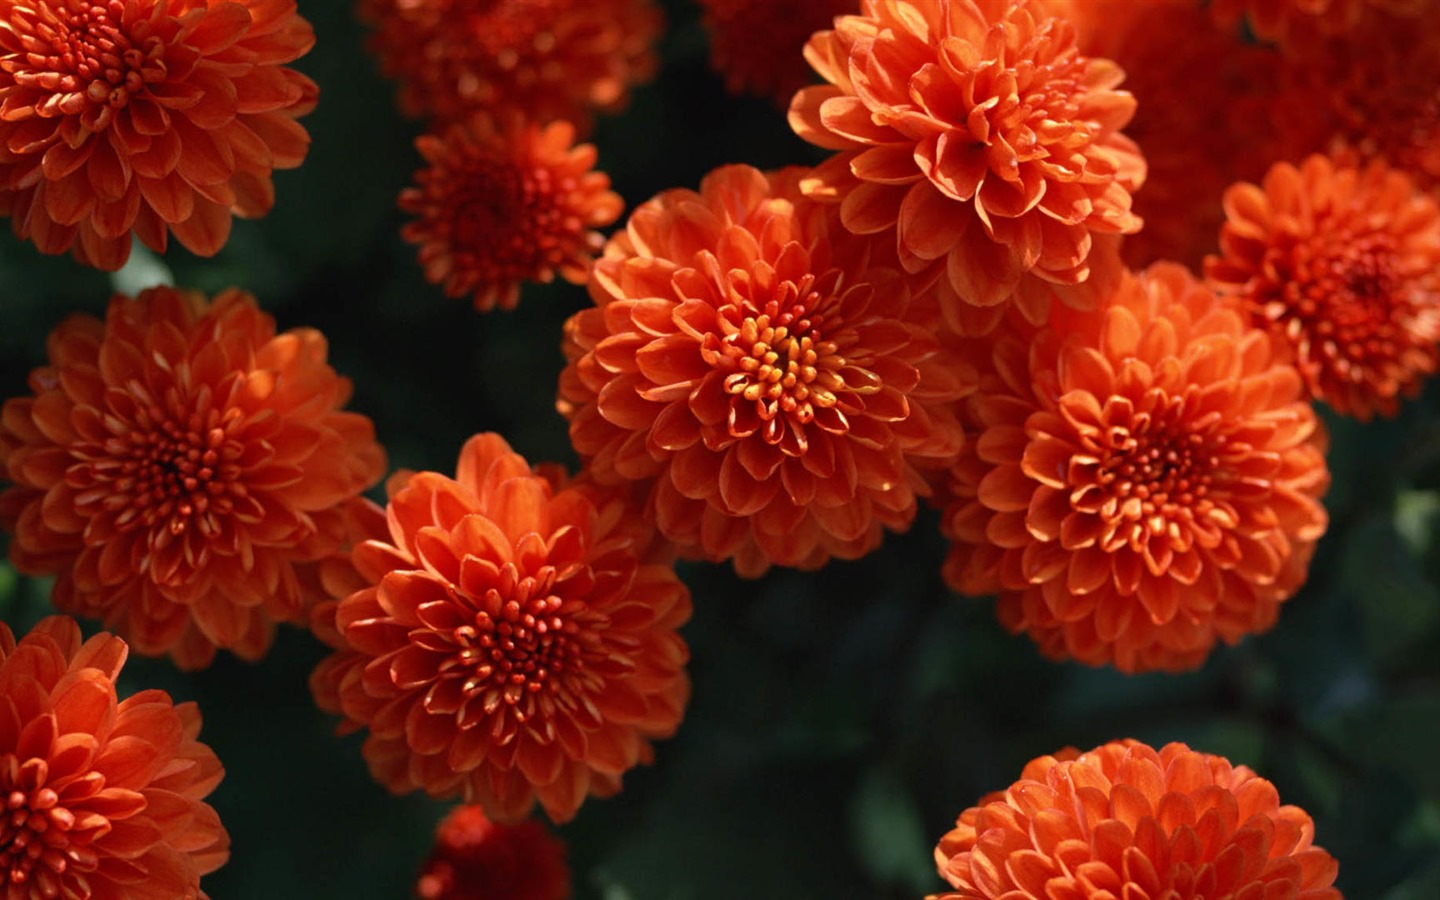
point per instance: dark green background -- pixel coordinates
(840, 719)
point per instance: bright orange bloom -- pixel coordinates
(1344, 264)
(1186, 76)
(1127, 821)
(756, 44)
(502, 205)
(121, 118)
(506, 637)
(477, 859)
(103, 798)
(546, 59)
(772, 390)
(1145, 482)
(174, 464)
(1274, 19)
(978, 133)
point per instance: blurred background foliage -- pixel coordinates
(840, 719)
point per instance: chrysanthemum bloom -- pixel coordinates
(1371, 91)
(547, 59)
(505, 637)
(174, 464)
(772, 390)
(1344, 264)
(1272, 19)
(1145, 481)
(477, 859)
(103, 798)
(121, 118)
(1127, 821)
(756, 45)
(976, 133)
(498, 205)
(1186, 75)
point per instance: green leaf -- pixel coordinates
(1415, 518)
(1425, 886)
(888, 833)
(1398, 606)
(8, 589)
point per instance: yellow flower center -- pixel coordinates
(784, 371)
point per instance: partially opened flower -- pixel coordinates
(1343, 263)
(505, 637)
(763, 376)
(175, 463)
(756, 44)
(1126, 820)
(546, 59)
(104, 798)
(503, 204)
(1145, 480)
(976, 135)
(477, 859)
(146, 117)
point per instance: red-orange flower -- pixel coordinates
(772, 390)
(1124, 820)
(1186, 76)
(1371, 90)
(1344, 264)
(477, 859)
(1273, 19)
(512, 638)
(103, 798)
(1145, 480)
(978, 133)
(121, 118)
(546, 59)
(174, 464)
(756, 44)
(502, 205)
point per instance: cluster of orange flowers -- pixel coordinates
(507, 196)
(777, 369)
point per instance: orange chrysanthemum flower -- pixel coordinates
(756, 44)
(1344, 264)
(477, 859)
(506, 637)
(771, 389)
(546, 59)
(502, 205)
(103, 798)
(1186, 76)
(175, 463)
(1127, 821)
(121, 118)
(1145, 481)
(977, 132)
